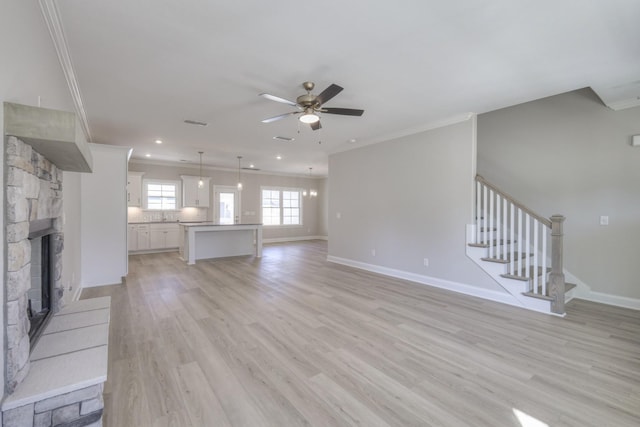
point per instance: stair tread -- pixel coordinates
(567, 288)
(506, 261)
(491, 243)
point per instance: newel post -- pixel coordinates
(556, 278)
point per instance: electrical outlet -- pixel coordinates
(426, 262)
(338, 215)
(373, 252)
(604, 220)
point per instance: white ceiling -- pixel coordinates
(145, 66)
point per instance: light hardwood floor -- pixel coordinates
(291, 340)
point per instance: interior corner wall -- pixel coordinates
(407, 199)
(72, 221)
(103, 217)
(569, 154)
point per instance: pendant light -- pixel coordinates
(239, 182)
(312, 192)
(200, 182)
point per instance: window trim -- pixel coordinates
(145, 190)
(280, 190)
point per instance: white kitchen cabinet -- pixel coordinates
(142, 232)
(132, 238)
(163, 236)
(192, 194)
(134, 189)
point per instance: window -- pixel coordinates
(161, 195)
(281, 206)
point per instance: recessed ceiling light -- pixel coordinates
(195, 122)
(148, 155)
(279, 157)
(158, 141)
(251, 166)
(284, 138)
(352, 140)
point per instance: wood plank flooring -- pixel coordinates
(291, 340)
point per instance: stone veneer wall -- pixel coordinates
(33, 192)
(82, 407)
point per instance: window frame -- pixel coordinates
(153, 181)
(281, 207)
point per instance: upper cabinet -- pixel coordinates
(192, 194)
(134, 189)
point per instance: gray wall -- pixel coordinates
(408, 199)
(569, 154)
(313, 208)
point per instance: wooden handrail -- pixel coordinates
(508, 197)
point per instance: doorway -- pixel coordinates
(226, 203)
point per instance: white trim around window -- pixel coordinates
(281, 207)
(165, 204)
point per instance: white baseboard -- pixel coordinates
(625, 302)
(502, 297)
(293, 239)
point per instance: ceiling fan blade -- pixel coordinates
(329, 93)
(316, 125)
(281, 116)
(278, 99)
(343, 111)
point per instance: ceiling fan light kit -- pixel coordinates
(309, 105)
(309, 117)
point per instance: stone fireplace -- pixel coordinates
(34, 201)
(55, 356)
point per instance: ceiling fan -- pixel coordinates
(309, 105)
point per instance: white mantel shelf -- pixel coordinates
(213, 240)
(71, 354)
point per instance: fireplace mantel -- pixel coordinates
(55, 134)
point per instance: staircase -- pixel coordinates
(519, 249)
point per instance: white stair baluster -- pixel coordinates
(527, 248)
(489, 230)
(505, 234)
(544, 260)
(499, 249)
(478, 210)
(520, 237)
(512, 245)
(536, 281)
(484, 215)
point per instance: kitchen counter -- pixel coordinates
(213, 240)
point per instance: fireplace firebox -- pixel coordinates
(39, 308)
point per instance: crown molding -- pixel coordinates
(624, 104)
(52, 18)
(166, 163)
(407, 132)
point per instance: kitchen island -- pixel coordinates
(211, 240)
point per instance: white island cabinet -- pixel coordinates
(212, 240)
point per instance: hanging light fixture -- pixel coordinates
(239, 182)
(200, 182)
(312, 192)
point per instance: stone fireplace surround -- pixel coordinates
(34, 192)
(69, 391)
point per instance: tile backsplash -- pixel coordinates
(184, 214)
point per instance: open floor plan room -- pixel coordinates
(290, 339)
